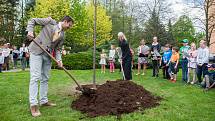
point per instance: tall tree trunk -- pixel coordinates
(94, 39)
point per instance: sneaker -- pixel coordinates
(138, 74)
(48, 104)
(174, 81)
(171, 80)
(206, 89)
(192, 83)
(143, 74)
(35, 111)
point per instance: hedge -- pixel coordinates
(84, 61)
(78, 61)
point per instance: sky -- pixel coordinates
(182, 7)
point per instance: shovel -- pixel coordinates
(123, 74)
(85, 90)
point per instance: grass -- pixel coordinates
(181, 102)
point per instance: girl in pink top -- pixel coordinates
(192, 63)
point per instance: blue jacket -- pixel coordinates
(166, 56)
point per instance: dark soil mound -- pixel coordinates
(115, 98)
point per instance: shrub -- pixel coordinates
(79, 61)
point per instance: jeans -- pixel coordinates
(184, 65)
(201, 70)
(23, 63)
(166, 72)
(155, 66)
(40, 66)
(15, 62)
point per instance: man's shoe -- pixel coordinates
(48, 104)
(35, 111)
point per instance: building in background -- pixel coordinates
(212, 22)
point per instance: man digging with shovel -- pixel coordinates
(50, 38)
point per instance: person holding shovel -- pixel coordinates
(51, 38)
(126, 56)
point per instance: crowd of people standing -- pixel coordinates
(10, 55)
(194, 62)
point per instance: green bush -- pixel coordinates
(79, 61)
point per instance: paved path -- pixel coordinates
(15, 70)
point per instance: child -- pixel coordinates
(1, 60)
(173, 64)
(119, 54)
(192, 63)
(164, 61)
(184, 59)
(143, 51)
(209, 80)
(102, 62)
(202, 60)
(155, 49)
(112, 53)
(132, 57)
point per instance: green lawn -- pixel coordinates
(181, 102)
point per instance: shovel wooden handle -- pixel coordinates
(39, 45)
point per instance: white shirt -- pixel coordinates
(1, 59)
(23, 49)
(6, 52)
(143, 49)
(203, 55)
(112, 53)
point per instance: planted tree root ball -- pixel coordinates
(115, 98)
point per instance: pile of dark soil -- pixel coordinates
(115, 98)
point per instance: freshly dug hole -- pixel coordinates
(115, 98)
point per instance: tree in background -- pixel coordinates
(104, 24)
(206, 8)
(184, 29)
(153, 27)
(80, 37)
(170, 37)
(116, 10)
(51, 8)
(8, 19)
(25, 6)
(125, 18)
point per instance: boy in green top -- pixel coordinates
(184, 59)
